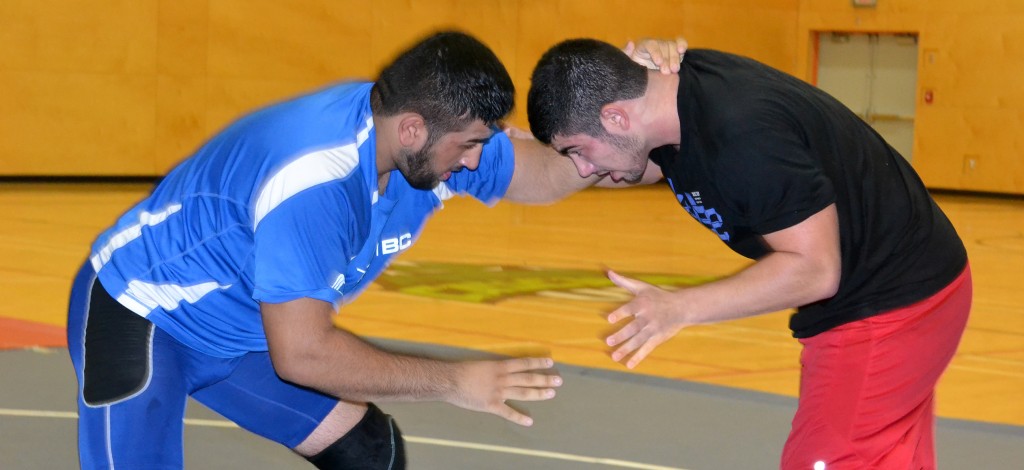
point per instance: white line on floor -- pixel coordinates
(415, 439)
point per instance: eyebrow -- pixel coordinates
(484, 140)
(565, 150)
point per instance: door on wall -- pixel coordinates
(875, 75)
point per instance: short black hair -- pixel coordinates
(573, 81)
(449, 78)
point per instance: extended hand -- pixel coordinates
(657, 54)
(486, 385)
(654, 320)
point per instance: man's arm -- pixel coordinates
(804, 267)
(307, 349)
(541, 175)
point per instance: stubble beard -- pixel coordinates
(418, 172)
(633, 148)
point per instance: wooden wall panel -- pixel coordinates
(765, 31)
(971, 55)
(263, 51)
(76, 124)
(65, 36)
(181, 121)
(300, 40)
(129, 87)
(397, 24)
(78, 87)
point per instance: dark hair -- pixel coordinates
(573, 81)
(449, 78)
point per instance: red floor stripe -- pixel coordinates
(17, 334)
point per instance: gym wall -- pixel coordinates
(129, 87)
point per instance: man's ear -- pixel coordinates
(614, 118)
(412, 130)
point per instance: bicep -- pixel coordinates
(815, 240)
(818, 233)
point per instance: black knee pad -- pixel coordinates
(117, 350)
(375, 443)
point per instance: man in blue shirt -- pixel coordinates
(223, 282)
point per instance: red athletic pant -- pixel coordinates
(867, 388)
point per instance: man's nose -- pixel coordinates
(584, 167)
(471, 161)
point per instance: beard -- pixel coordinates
(633, 148)
(417, 168)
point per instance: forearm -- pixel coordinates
(776, 282)
(307, 349)
(804, 267)
(345, 366)
(542, 176)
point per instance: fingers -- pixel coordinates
(640, 52)
(627, 339)
(633, 341)
(681, 46)
(675, 56)
(533, 380)
(620, 314)
(663, 54)
(514, 416)
(626, 332)
(632, 285)
(630, 46)
(524, 384)
(528, 394)
(642, 353)
(656, 54)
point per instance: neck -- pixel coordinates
(661, 114)
(387, 146)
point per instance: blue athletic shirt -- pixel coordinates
(283, 204)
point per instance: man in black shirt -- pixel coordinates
(838, 223)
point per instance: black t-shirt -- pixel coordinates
(762, 151)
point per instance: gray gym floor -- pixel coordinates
(600, 420)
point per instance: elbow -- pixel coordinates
(292, 365)
(827, 281)
(830, 287)
(548, 199)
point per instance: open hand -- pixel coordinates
(657, 54)
(654, 320)
(486, 385)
